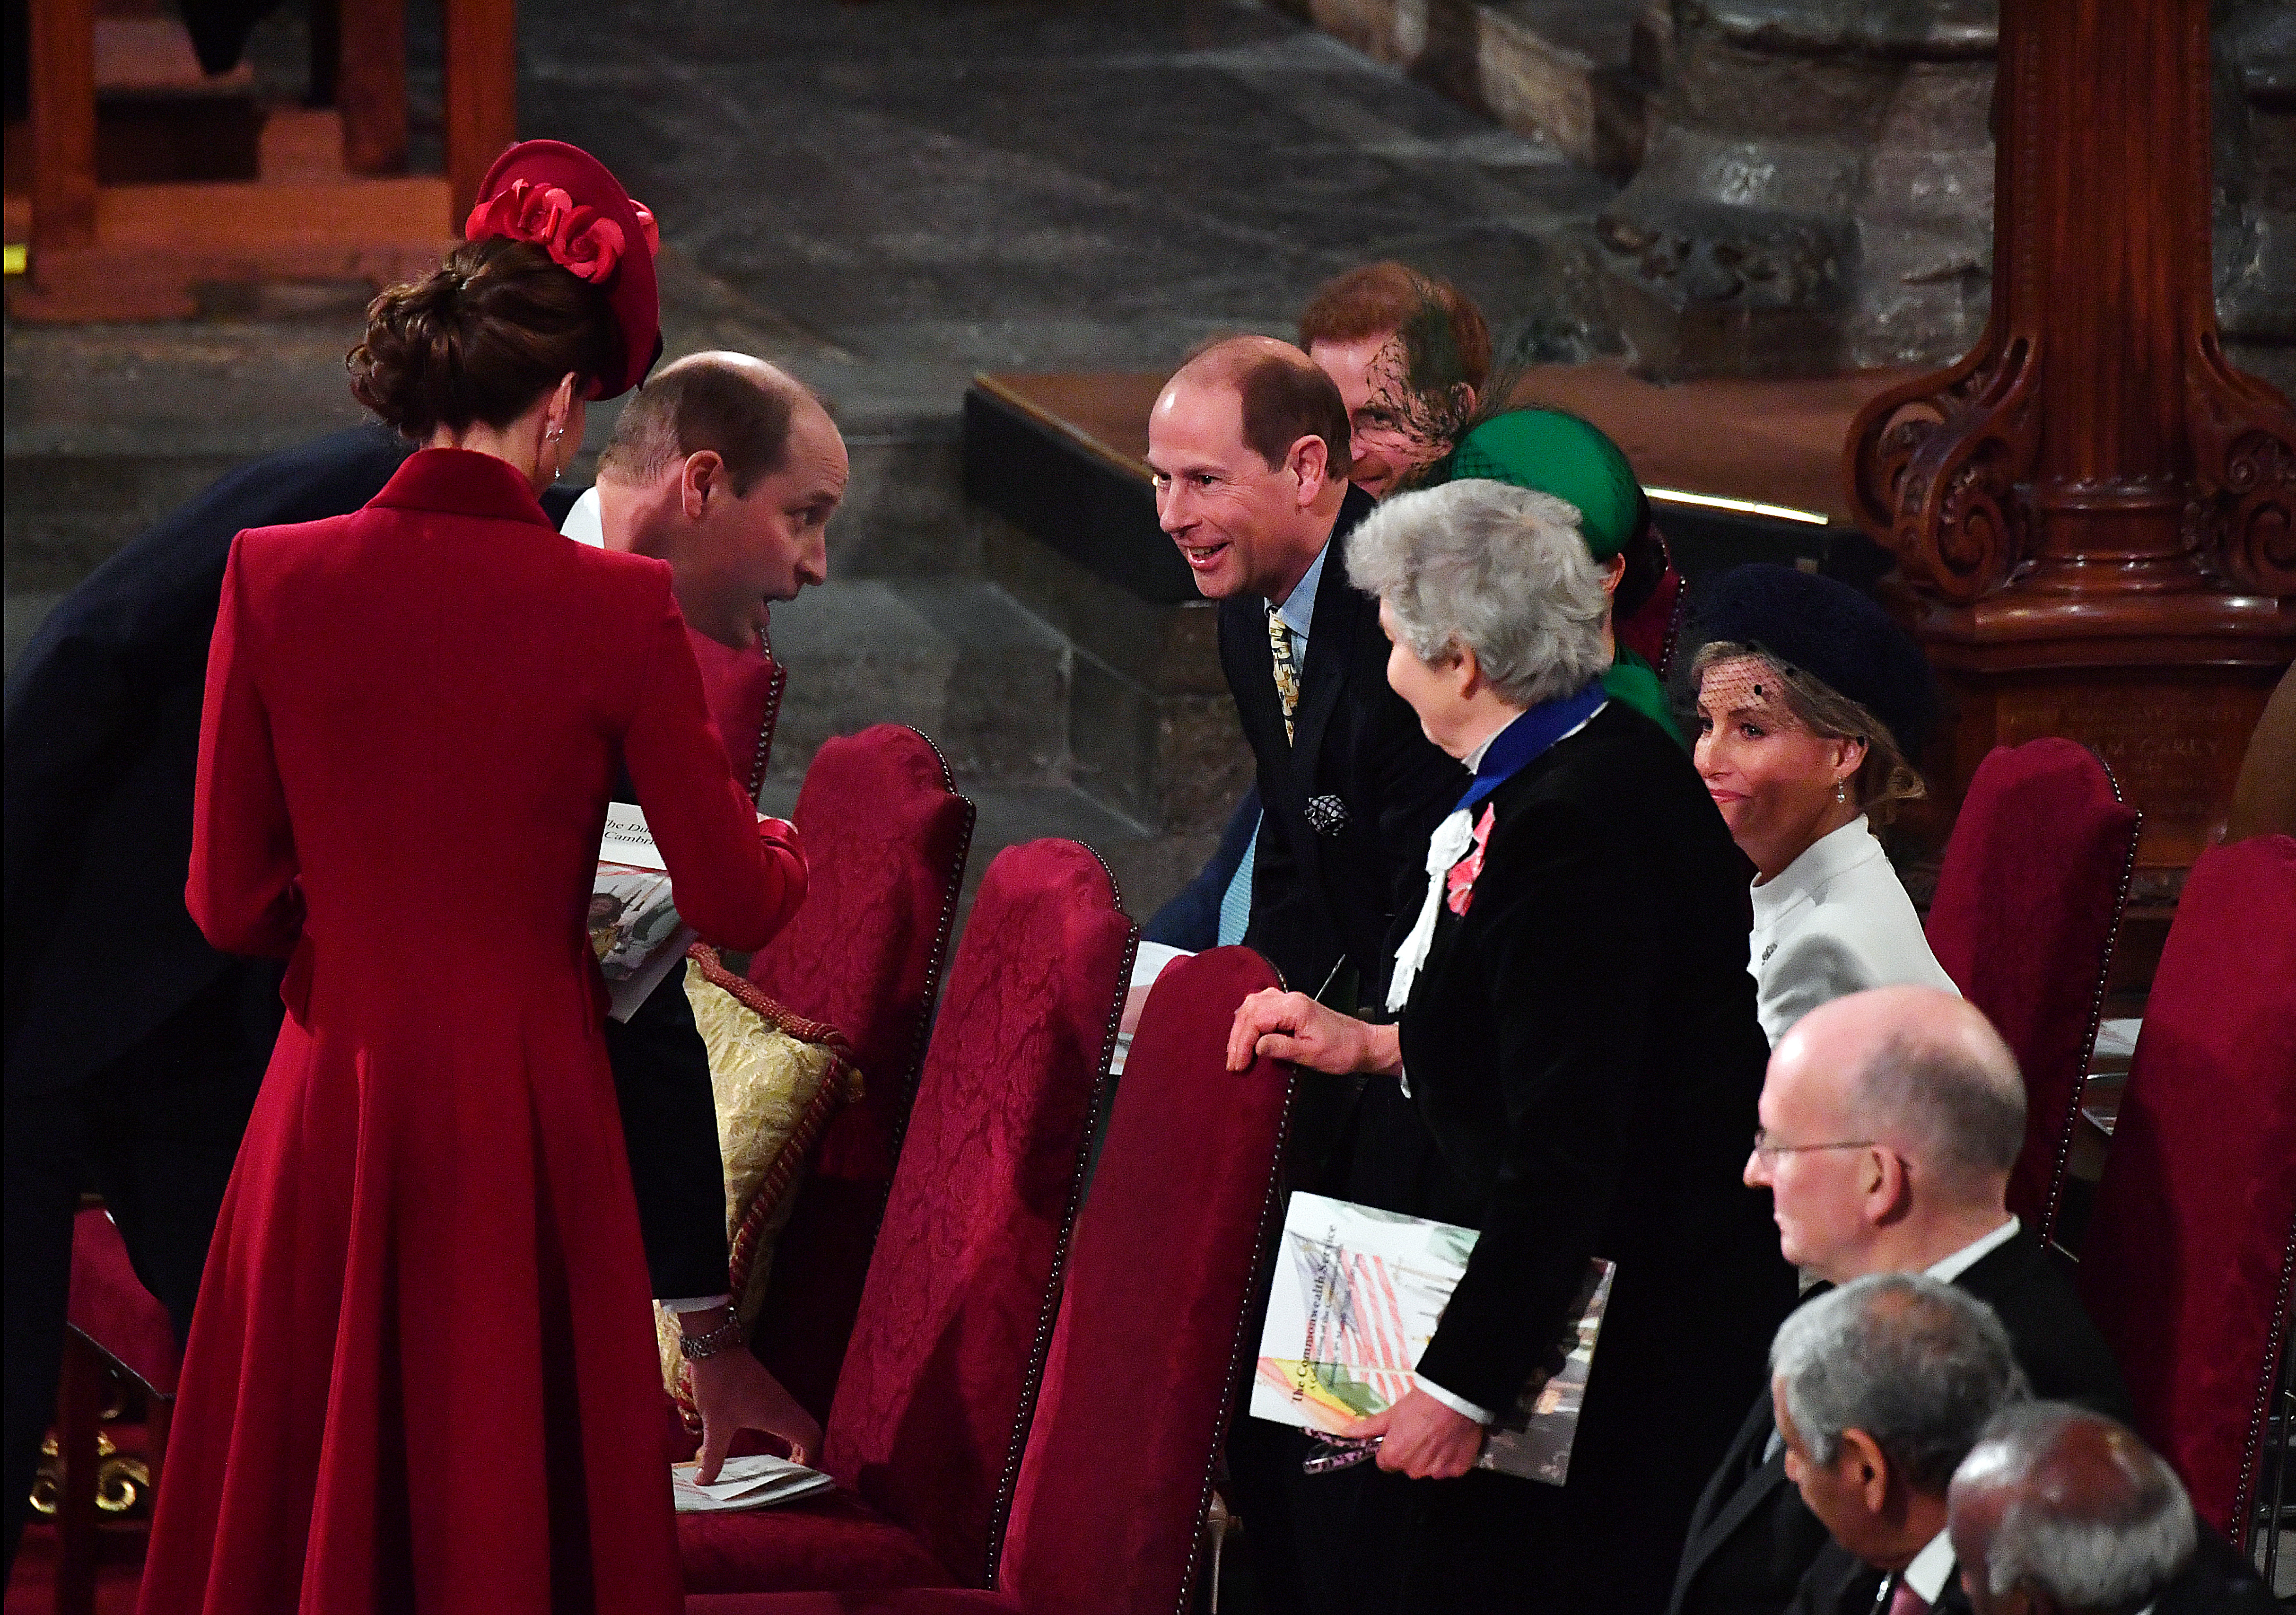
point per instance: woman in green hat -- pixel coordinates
(1551, 452)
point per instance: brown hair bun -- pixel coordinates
(491, 330)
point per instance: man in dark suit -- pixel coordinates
(134, 1050)
(1890, 1120)
(1248, 446)
(2058, 1511)
(1881, 1388)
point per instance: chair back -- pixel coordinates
(886, 836)
(743, 689)
(2027, 903)
(1109, 1512)
(113, 1312)
(958, 1308)
(1653, 630)
(2191, 1249)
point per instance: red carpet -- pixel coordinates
(31, 1588)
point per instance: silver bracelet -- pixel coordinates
(728, 1335)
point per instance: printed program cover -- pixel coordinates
(634, 925)
(1357, 1296)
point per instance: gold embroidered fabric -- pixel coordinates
(777, 1078)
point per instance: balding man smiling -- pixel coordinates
(1889, 1122)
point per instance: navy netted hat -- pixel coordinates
(1831, 632)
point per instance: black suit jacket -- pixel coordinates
(1754, 1546)
(2220, 1580)
(1584, 1049)
(2216, 1581)
(102, 742)
(1321, 897)
(103, 759)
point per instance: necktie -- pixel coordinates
(1287, 671)
(1905, 1601)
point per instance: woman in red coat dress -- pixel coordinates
(422, 1374)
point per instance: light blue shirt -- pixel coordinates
(1299, 608)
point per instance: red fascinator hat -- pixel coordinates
(563, 201)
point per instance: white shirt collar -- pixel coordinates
(1299, 608)
(583, 522)
(1831, 855)
(1946, 1269)
(1931, 1569)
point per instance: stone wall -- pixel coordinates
(1808, 183)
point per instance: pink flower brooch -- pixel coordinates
(1459, 885)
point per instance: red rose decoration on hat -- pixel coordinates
(579, 239)
(589, 247)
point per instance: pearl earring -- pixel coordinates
(1841, 790)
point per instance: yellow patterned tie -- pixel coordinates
(1287, 671)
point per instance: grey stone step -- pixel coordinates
(1575, 74)
(960, 661)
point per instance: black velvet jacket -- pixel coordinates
(1582, 1046)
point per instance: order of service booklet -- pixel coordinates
(742, 1483)
(1357, 1295)
(634, 925)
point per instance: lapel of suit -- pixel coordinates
(1752, 1492)
(1340, 609)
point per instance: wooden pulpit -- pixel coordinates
(2093, 511)
(328, 200)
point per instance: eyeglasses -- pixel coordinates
(1769, 1152)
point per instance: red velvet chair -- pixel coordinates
(114, 1326)
(1654, 629)
(2027, 904)
(743, 689)
(1109, 1509)
(923, 1434)
(887, 836)
(2191, 1249)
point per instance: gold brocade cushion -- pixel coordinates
(778, 1079)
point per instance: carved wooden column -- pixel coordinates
(2094, 514)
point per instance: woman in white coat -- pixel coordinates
(1809, 702)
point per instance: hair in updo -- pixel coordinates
(492, 330)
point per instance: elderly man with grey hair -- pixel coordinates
(1889, 1121)
(1577, 1034)
(1881, 1388)
(2059, 1511)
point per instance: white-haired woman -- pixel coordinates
(1578, 1035)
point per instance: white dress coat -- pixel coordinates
(1837, 921)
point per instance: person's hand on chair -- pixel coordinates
(735, 1392)
(1294, 1027)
